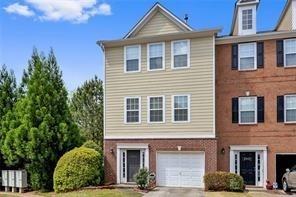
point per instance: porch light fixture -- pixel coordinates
(111, 151)
(247, 93)
(222, 151)
(179, 148)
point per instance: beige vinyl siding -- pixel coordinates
(197, 81)
(286, 24)
(158, 24)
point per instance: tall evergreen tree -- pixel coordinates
(87, 110)
(8, 96)
(45, 130)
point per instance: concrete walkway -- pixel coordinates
(175, 192)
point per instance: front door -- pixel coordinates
(133, 164)
(247, 167)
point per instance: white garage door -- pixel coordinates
(180, 169)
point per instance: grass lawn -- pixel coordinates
(80, 193)
(95, 193)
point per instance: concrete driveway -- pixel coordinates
(175, 192)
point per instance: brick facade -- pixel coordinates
(209, 146)
(270, 82)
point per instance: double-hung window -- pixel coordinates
(248, 110)
(180, 54)
(155, 54)
(132, 110)
(132, 58)
(247, 56)
(156, 109)
(290, 108)
(181, 108)
(247, 19)
(290, 53)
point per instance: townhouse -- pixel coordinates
(184, 102)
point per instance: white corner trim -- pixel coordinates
(172, 54)
(248, 147)
(148, 109)
(139, 58)
(163, 56)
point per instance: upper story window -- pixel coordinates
(132, 58)
(132, 110)
(247, 19)
(247, 56)
(181, 108)
(290, 53)
(290, 108)
(248, 110)
(155, 56)
(156, 109)
(180, 54)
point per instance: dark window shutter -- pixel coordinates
(280, 109)
(260, 54)
(234, 110)
(260, 109)
(280, 53)
(234, 58)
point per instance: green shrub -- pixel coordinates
(223, 181)
(91, 144)
(142, 178)
(77, 168)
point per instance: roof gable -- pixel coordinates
(158, 14)
(285, 20)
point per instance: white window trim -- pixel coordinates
(255, 57)
(139, 57)
(285, 108)
(240, 20)
(285, 53)
(163, 109)
(189, 108)
(172, 54)
(125, 111)
(239, 111)
(163, 56)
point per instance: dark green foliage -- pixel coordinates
(77, 168)
(40, 128)
(142, 178)
(223, 181)
(87, 110)
(8, 97)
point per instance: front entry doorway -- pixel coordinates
(133, 164)
(248, 167)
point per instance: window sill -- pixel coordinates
(180, 68)
(248, 70)
(293, 66)
(248, 124)
(132, 123)
(290, 123)
(154, 70)
(131, 72)
(180, 122)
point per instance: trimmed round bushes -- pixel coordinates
(223, 181)
(77, 168)
(91, 144)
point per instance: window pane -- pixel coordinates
(180, 61)
(132, 116)
(291, 115)
(247, 19)
(156, 116)
(247, 116)
(247, 63)
(155, 63)
(181, 115)
(290, 46)
(247, 104)
(132, 104)
(132, 52)
(247, 50)
(291, 102)
(180, 48)
(155, 50)
(132, 65)
(291, 59)
(156, 103)
(180, 102)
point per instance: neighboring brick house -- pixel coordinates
(182, 102)
(256, 97)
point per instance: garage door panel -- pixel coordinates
(180, 169)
